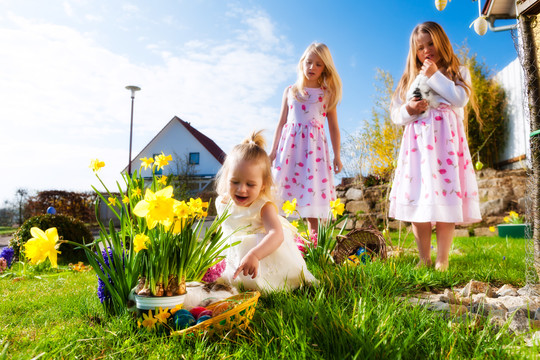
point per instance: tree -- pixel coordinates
(21, 196)
(183, 182)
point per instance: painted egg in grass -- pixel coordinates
(440, 4)
(203, 318)
(480, 26)
(183, 321)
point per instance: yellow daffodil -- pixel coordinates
(157, 208)
(112, 201)
(139, 242)
(492, 228)
(176, 308)
(162, 180)
(337, 207)
(125, 200)
(43, 245)
(148, 320)
(162, 160)
(295, 224)
(506, 219)
(95, 165)
(289, 207)
(162, 315)
(197, 206)
(136, 192)
(146, 162)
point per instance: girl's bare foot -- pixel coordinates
(424, 263)
(441, 266)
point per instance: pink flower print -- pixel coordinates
(286, 179)
(311, 152)
(474, 193)
(415, 137)
(318, 159)
(291, 106)
(453, 133)
(324, 114)
(301, 164)
(310, 177)
(407, 196)
(414, 149)
(325, 180)
(324, 106)
(423, 123)
(319, 148)
(426, 196)
(439, 161)
(302, 186)
(458, 194)
(435, 139)
(451, 153)
(442, 171)
(311, 135)
(449, 161)
(444, 192)
(438, 118)
(293, 180)
(287, 187)
(278, 168)
(289, 194)
(320, 98)
(460, 154)
(310, 190)
(292, 146)
(406, 152)
(287, 161)
(303, 136)
(461, 139)
(448, 181)
(434, 176)
(437, 193)
(429, 147)
(304, 107)
(296, 174)
(323, 195)
(301, 196)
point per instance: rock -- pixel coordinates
(394, 224)
(461, 233)
(439, 306)
(354, 194)
(529, 289)
(350, 224)
(507, 290)
(458, 309)
(356, 206)
(519, 322)
(477, 287)
(534, 340)
(484, 231)
(493, 207)
(450, 297)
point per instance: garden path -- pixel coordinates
(4, 240)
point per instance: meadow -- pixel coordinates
(354, 313)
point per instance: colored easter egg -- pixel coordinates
(440, 4)
(221, 308)
(182, 312)
(478, 165)
(480, 26)
(203, 318)
(196, 311)
(353, 259)
(183, 321)
(206, 313)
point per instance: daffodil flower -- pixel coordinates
(289, 207)
(148, 320)
(112, 201)
(42, 245)
(162, 315)
(139, 242)
(337, 207)
(492, 228)
(162, 180)
(197, 206)
(156, 207)
(136, 192)
(162, 160)
(176, 308)
(146, 162)
(295, 224)
(95, 165)
(125, 200)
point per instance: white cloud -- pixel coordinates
(64, 101)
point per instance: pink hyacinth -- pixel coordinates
(214, 272)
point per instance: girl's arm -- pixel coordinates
(281, 123)
(402, 114)
(454, 93)
(273, 239)
(335, 137)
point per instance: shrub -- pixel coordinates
(80, 205)
(68, 228)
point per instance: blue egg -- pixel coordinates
(183, 321)
(203, 318)
(182, 312)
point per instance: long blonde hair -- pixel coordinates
(329, 79)
(448, 63)
(251, 149)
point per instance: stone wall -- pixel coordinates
(500, 191)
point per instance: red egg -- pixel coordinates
(206, 313)
(196, 311)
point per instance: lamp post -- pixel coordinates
(132, 88)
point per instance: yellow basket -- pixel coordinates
(235, 319)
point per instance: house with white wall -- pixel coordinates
(186, 145)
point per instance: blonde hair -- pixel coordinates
(329, 78)
(251, 149)
(448, 63)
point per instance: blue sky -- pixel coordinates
(216, 64)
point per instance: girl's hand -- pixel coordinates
(248, 266)
(416, 106)
(428, 68)
(338, 166)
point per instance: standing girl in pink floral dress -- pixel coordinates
(302, 164)
(434, 181)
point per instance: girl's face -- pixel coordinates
(425, 48)
(245, 182)
(313, 68)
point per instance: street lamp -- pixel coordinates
(133, 89)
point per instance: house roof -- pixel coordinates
(506, 9)
(208, 143)
(205, 141)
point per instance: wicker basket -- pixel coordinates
(231, 321)
(370, 239)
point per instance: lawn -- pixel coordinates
(7, 230)
(354, 313)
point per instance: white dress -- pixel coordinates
(284, 269)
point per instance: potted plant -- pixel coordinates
(159, 245)
(513, 226)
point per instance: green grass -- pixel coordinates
(354, 313)
(7, 230)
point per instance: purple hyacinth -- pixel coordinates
(7, 253)
(102, 291)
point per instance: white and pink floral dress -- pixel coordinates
(303, 167)
(435, 179)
